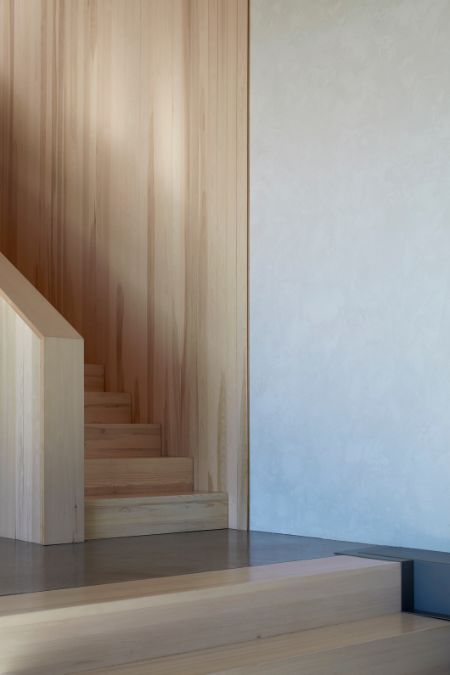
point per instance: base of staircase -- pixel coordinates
(108, 517)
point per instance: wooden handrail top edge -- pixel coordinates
(37, 312)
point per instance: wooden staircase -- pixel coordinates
(130, 489)
(332, 616)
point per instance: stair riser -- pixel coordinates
(107, 518)
(94, 383)
(131, 441)
(107, 414)
(213, 617)
(107, 408)
(138, 476)
(98, 452)
(138, 488)
(94, 378)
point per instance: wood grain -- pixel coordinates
(32, 307)
(137, 516)
(398, 644)
(21, 428)
(94, 377)
(104, 634)
(138, 476)
(123, 198)
(41, 417)
(107, 407)
(63, 441)
(122, 440)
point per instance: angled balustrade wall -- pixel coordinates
(41, 417)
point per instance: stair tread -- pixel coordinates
(255, 654)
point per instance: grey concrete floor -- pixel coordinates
(26, 568)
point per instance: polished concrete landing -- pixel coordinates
(26, 568)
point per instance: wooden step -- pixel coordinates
(397, 644)
(94, 377)
(107, 407)
(122, 440)
(139, 476)
(136, 516)
(101, 627)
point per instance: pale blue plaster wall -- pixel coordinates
(350, 269)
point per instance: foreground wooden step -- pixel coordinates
(122, 440)
(397, 644)
(107, 407)
(94, 377)
(138, 476)
(86, 629)
(136, 516)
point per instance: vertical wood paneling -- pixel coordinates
(124, 199)
(21, 478)
(7, 234)
(217, 276)
(63, 441)
(240, 464)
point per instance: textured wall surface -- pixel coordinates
(350, 273)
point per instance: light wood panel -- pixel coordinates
(41, 417)
(285, 598)
(398, 644)
(21, 430)
(62, 441)
(200, 393)
(123, 197)
(122, 440)
(137, 516)
(107, 407)
(138, 476)
(32, 307)
(94, 377)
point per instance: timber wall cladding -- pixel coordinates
(123, 198)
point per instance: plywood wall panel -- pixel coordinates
(218, 217)
(41, 422)
(124, 199)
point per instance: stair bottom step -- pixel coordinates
(397, 644)
(129, 516)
